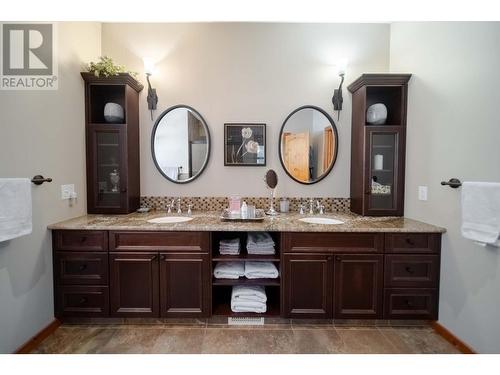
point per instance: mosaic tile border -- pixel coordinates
(219, 203)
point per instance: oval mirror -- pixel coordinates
(180, 144)
(308, 144)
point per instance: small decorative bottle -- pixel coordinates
(114, 177)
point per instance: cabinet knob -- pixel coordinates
(338, 258)
(83, 239)
(163, 257)
(82, 267)
(83, 300)
(408, 303)
(409, 270)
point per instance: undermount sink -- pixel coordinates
(170, 219)
(321, 220)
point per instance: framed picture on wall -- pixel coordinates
(245, 144)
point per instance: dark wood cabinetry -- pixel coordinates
(113, 184)
(134, 283)
(358, 286)
(322, 275)
(185, 285)
(307, 285)
(378, 151)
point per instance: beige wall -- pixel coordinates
(246, 72)
(454, 131)
(42, 132)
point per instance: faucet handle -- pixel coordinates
(189, 212)
(301, 209)
(169, 206)
(321, 209)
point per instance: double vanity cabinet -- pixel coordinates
(165, 273)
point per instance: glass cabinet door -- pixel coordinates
(383, 169)
(108, 168)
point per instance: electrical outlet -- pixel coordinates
(422, 193)
(67, 191)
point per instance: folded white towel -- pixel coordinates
(246, 298)
(252, 293)
(261, 270)
(481, 212)
(229, 270)
(248, 306)
(261, 251)
(15, 208)
(259, 239)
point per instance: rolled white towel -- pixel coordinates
(261, 270)
(229, 270)
(252, 293)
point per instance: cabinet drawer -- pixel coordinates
(164, 241)
(418, 271)
(81, 268)
(413, 242)
(80, 240)
(410, 304)
(333, 242)
(82, 301)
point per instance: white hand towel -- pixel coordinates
(261, 270)
(253, 293)
(15, 208)
(481, 212)
(229, 270)
(259, 239)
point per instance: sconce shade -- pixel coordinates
(149, 66)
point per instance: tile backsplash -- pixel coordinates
(219, 203)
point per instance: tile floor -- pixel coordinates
(214, 336)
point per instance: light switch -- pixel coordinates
(67, 191)
(422, 193)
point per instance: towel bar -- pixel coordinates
(453, 183)
(39, 179)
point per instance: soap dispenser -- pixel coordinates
(244, 210)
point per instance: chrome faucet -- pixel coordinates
(170, 206)
(320, 207)
(311, 206)
(301, 209)
(179, 211)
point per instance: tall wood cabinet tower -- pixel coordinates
(113, 183)
(378, 150)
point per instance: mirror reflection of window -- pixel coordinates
(308, 144)
(180, 144)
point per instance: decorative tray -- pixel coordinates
(228, 216)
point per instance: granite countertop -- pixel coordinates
(210, 221)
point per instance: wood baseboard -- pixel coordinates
(452, 339)
(36, 340)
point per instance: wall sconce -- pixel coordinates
(152, 98)
(337, 99)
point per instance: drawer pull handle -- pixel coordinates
(410, 242)
(408, 303)
(163, 257)
(153, 257)
(83, 239)
(83, 300)
(338, 258)
(82, 267)
(409, 270)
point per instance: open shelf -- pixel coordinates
(243, 256)
(245, 281)
(246, 257)
(392, 97)
(221, 303)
